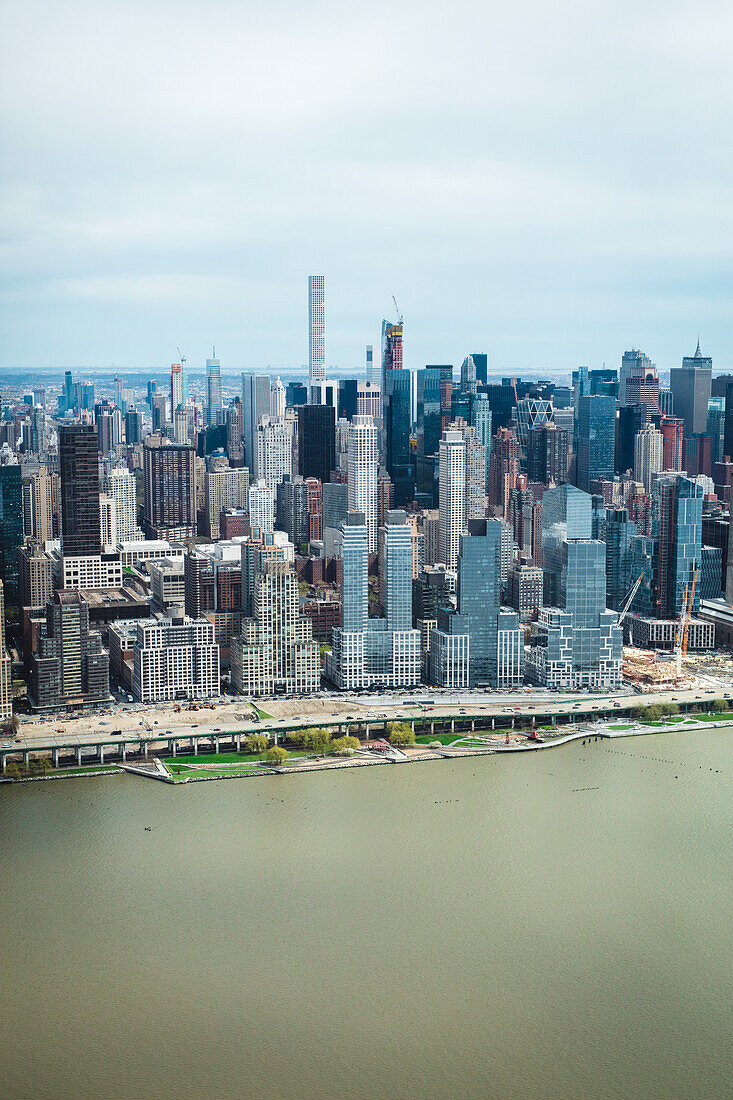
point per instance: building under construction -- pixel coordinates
(646, 671)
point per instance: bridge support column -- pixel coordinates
(432, 727)
(493, 723)
(144, 747)
(2, 761)
(26, 758)
(195, 745)
(473, 725)
(78, 756)
(101, 753)
(512, 723)
(366, 731)
(124, 752)
(238, 742)
(54, 757)
(453, 725)
(172, 747)
(412, 725)
(216, 744)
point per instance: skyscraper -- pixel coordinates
(256, 402)
(468, 375)
(617, 535)
(503, 467)
(363, 469)
(213, 387)
(79, 470)
(595, 440)
(170, 489)
(576, 642)
(396, 414)
(368, 651)
(276, 651)
(277, 400)
(316, 328)
(648, 450)
(638, 382)
(176, 387)
(69, 665)
(274, 454)
(478, 643)
(119, 484)
(11, 529)
(691, 384)
(430, 424)
(547, 454)
(452, 496)
(672, 429)
(317, 441)
(6, 690)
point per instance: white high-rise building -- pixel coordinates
(452, 496)
(277, 400)
(648, 447)
(261, 506)
(362, 470)
(274, 452)
(107, 520)
(213, 384)
(119, 484)
(176, 386)
(316, 328)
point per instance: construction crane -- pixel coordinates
(688, 613)
(684, 623)
(399, 315)
(629, 600)
(181, 356)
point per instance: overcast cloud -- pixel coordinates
(550, 183)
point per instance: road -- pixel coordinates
(321, 709)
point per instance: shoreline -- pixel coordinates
(418, 754)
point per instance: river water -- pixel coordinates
(558, 924)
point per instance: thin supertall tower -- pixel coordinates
(316, 328)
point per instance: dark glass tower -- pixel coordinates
(79, 470)
(316, 441)
(595, 439)
(11, 529)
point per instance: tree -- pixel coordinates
(345, 746)
(277, 755)
(671, 708)
(312, 740)
(256, 742)
(400, 733)
(718, 705)
(12, 770)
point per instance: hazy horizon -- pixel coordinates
(549, 184)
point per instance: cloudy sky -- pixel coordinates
(550, 183)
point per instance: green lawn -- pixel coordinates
(216, 773)
(444, 738)
(620, 726)
(263, 713)
(213, 758)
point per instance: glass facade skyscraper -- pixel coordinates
(576, 642)
(384, 651)
(11, 529)
(595, 439)
(480, 642)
